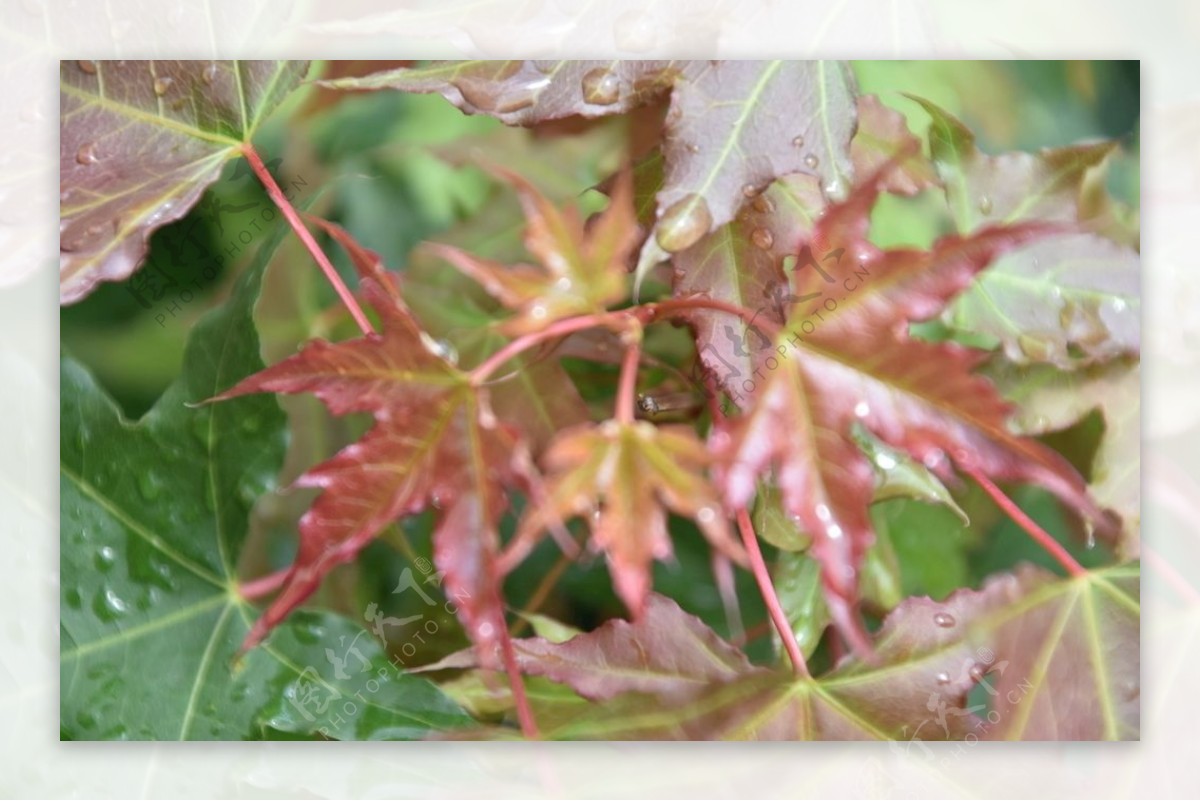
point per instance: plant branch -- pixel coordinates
(529, 726)
(264, 585)
(523, 343)
(1039, 534)
(627, 387)
(770, 597)
(293, 218)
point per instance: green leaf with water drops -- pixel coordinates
(1049, 399)
(153, 516)
(1068, 300)
(897, 475)
(139, 143)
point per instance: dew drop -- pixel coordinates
(162, 85)
(763, 205)
(1089, 532)
(762, 238)
(811, 161)
(683, 224)
(73, 598)
(601, 87)
(835, 189)
(976, 672)
(693, 147)
(885, 461)
(87, 66)
(537, 311)
(150, 485)
(87, 154)
(985, 205)
(105, 558)
(515, 103)
(706, 515)
(1119, 305)
(480, 95)
(823, 513)
(750, 190)
(563, 284)
(485, 630)
(834, 532)
(861, 409)
(109, 606)
(1034, 347)
(798, 141)
(209, 76)
(308, 633)
(944, 619)
(943, 678)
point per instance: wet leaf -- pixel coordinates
(154, 515)
(850, 362)
(140, 142)
(1078, 681)
(1072, 650)
(733, 126)
(435, 444)
(579, 272)
(622, 478)
(922, 670)
(665, 652)
(1069, 300)
(1050, 399)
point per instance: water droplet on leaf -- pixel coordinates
(683, 224)
(601, 87)
(944, 619)
(943, 678)
(763, 205)
(87, 66)
(985, 205)
(762, 238)
(149, 485)
(105, 558)
(811, 161)
(162, 85)
(798, 141)
(87, 154)
(861, 409)
(209, 75)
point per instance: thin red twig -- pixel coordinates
(761, 575)
(524, 343)
(627, 386)
(529, 726)
(293, 218)
(264, 585)
(1039, 534)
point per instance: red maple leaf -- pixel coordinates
(845, 356)
(435, 444)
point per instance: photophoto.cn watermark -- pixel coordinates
(315, 694)
(165, 291)
(753, 343)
